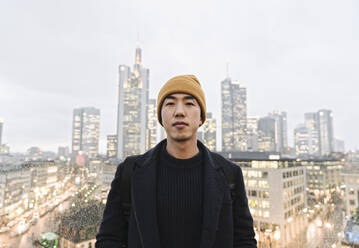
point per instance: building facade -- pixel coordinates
(234, 116)
(151, 131)
(302, 140)
(132, 108)
(111, 151)
(351, 182)
(266, 134)
(325, 125)
(209, 132)
(252, 132)
(86, 131)
(280, 130)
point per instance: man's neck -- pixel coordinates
(182, 150)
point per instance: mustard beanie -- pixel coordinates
(188, 84)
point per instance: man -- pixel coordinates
(180, 196)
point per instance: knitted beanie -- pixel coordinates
(188, 84)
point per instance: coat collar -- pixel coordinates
(144, 196)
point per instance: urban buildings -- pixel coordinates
(266, 134)
(86, 131)
(351, 182)
(252, 133)
(325, 126)
(132, 113)
(280, 130)
(209, 132)
(1, 128)
(111, 151)
(151, 130)
(302, 140)
(311, 122)
(234, 116)
(276, 196)
(63, 151)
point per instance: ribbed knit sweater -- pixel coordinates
(179, 200)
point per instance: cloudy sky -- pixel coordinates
(295, 56)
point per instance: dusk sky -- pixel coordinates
(294, 56)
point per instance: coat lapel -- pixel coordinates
(144, 196)
(214, 189)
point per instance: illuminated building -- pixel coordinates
(276, 195)
(86, 131)
(325, 125)
(132, 108)
(111, 151)
(351, 182)
(266, 134)
(1, 128)
(209, 132)
(252, 132)
(234, 116)
(323, 176)
(151, 131)
(302, 140)
(311, 122)
(280, 130)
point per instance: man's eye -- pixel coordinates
(189, 103)
(169, 103)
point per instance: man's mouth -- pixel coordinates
(180, 124)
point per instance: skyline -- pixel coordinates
(293, 57)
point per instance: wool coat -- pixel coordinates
(227, 222)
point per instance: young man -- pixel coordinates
(180, 196)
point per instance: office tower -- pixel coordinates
(111, 150)
(266, 134)
(252, 132)
(86, 131)
(151, 131)
(302, 140)
(280, 130)
(325, 127)
(234, 116)
(339, 145)
(311, 122)
(1, 128)
(209, 132)
(132, 108)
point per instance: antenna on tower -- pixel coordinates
(227, 69)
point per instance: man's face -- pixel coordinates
(181, 117)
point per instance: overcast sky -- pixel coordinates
(295, 56)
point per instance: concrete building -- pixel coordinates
(209, 132)
(276, 195)
(132, 113)
(252, 132)
(234, 116)
(111, 151)
(86, 131)
(323, 176)
(311, 122)
(266, 134)
(63, 151)
(339, 145)
(280, 130)
(151, 131)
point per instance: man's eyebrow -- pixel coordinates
(186, 97)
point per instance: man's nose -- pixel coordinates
(179, 110)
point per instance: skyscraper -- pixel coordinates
(234, 116)
(86, 131)
(132, 108)
(311, 122)
(252, 132)
(111, 150)
(325, 127)
(266, 134)
(209, 132)
(1, 127)
(280, 130)
(151, 131)
(302, 140)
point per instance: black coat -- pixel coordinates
(221, 227)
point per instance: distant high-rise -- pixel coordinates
(302, 140)
(63, 151)
(339, 145)
(132, 108)
(280, 130)
(252, 132)
(86, 131)
(311, 122)
(266, 134)
(325, 124)
(1, 127)
(209, 132)
(234, 116)
(111, 150)
(151, 131)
